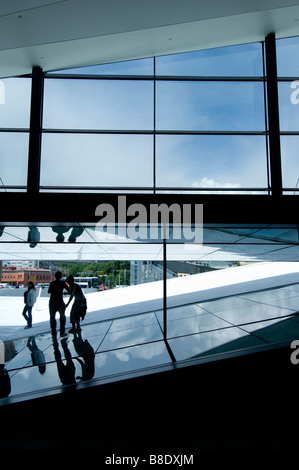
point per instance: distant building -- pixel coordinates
(149, 271)
(23, 264)
(26, 264)
(16, 277)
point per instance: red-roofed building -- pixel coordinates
(13, 276)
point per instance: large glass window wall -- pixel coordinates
(192, 122)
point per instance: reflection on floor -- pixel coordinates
(108, 349)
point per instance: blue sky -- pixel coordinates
(125, 160)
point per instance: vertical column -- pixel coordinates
(273, 116)
(164, 290)
(172, 357)
(34, 156)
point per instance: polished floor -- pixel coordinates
(107, 350)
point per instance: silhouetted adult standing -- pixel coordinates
(56, 303)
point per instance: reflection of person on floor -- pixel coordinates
(79, 306)
(86, 352)
(37, 356)
(56, 303)
(75, 233)
(5, 385)
(66, 371)
(29, 299)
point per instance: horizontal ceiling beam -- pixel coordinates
(68, 208)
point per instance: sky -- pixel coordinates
(189, 161)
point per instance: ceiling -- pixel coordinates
(70, 33)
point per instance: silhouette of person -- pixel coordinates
(66, 371)
(79, 305)
(5, 385)
(75, 233)
(33, 237)
(37, 356)
(60, 233)
(29, 299)
(56, 303)
(86, 351)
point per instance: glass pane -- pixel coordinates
(15, 99)
(127, 359)
(189, 346)
(242, 60)
(133, 336)
(130, 67)
(14, 158)
(210, 161)
(210, 106)
(98, 104)
(96, 160)
(289, 105)
(287, 51)
(290, 161)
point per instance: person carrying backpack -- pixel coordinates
(79, 306)
(29, 299)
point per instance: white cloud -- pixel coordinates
(210, 183)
